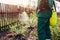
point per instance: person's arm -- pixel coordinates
(54, 5)
(38, 6)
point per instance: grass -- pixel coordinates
(22, 27)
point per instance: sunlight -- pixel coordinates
(20, 2)
(15, 2)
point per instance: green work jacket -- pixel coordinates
(45, 13)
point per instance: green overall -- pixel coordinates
(43, 22)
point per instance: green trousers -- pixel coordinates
(43, 28)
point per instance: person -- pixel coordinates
(44, 12)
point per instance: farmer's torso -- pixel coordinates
(45, 13)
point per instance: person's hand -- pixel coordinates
(38, 10)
